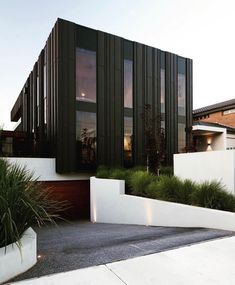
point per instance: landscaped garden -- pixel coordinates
(23, 203)
(168, 187)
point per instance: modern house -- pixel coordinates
(84, 99)
(82, 106)
(214, 126)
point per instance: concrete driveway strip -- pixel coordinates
(83, 244)
(98, 275)
(206, 263)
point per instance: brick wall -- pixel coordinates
(218, 117)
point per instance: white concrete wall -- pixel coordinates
(207, 166)
(14, 261)
(218, 142)
(230, 141)
(214, 135)
(44, 169)
(109, 204)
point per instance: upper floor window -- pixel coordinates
(181, 87)
(85, 75)
(128, 83)
(227, 112)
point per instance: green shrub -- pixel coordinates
(213, 195)
(169, 188)
(166, 170)
(23, 203)
(172, 189)
(138, 182)
(119, 173)
(103, 172)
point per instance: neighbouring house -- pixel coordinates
(214, 127)
(82, 103)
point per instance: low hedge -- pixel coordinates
(170, 188)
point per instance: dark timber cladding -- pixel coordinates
(47, 104)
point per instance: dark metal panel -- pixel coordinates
(171, 106)
(35, 101)
(149, 78)
(101, 100)
(112, 99)
(65, 91)
(156, 100)
(118, 130)
(41, 106)
(189, 100)
(138, 104)
(31, 100)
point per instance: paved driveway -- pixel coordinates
(83, 244)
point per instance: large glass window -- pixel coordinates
(181, 104)
(163, 87)
(86, 139)
(85, 75)
(181, 137)
(45, 89)
(128, 137)
(128, 83)
(181, 95)
(128, 104)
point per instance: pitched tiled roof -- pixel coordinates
(215, 107)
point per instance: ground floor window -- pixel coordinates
(86, 139)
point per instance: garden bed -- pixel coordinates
(110, 204)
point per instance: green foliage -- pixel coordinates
(167, 188)
(23, 203)
(139, 181)
(170, 188)
(166, 170)
(213, 195)
(103, 172)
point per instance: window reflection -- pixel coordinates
(86, 139)
(128, 139)
(181, 94)
(128, 83)
(128, 103)
(85, 75)
(181, 138)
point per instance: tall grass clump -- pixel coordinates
(23, 202)
(166, 170)
(213, 195)
(103, 172)
(139, 181)
(170, 188)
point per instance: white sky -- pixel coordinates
(203, 30)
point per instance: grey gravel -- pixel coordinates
(82, 244)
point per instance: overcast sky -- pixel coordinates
(203, 30)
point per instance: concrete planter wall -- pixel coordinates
(13, 262)
(208, 165)
(109, 204)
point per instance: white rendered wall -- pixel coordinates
(207, 166)
(44, 169)
(109, 204)
(14, 261)
(230, 141)
(216, 137)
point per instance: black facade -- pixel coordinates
(84, 99)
